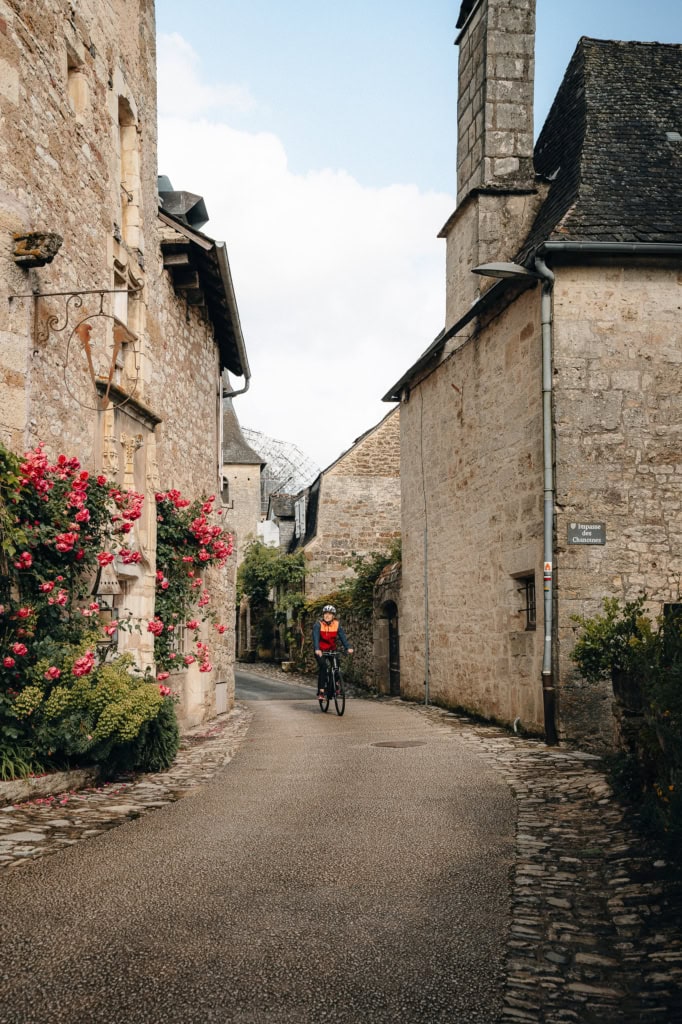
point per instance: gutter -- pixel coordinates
(488, 299)
(226, 278)
(611, 248)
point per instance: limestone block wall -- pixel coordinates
(78, 158)
(358, 508)
(495, 98)
(244, 500)
(60, 157)
(471, 475)
(618, 380)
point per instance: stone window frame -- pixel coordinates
(524, 583)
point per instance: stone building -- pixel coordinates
(541, 451)
(241, 484)
(92, 265)
(352, 508)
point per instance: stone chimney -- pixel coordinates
(496, 190)
(495, 105)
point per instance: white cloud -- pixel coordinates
(181, 93)
(340, 287)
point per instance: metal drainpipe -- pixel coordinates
(426, 614)
(548, 691)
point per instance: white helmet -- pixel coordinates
(329, 608)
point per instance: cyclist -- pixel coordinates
(326, 632)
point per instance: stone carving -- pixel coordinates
(36, 248)
(130, 446)
(110, 460)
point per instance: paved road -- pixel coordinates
(249, 686)
(337, 870)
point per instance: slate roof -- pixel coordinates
(615, 175)
(281, 505)
(235, 449)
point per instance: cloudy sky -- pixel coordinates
(322, 137)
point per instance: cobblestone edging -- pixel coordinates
(595, 933)
(44, 825)
(34, 786)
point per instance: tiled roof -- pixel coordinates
(608, 147)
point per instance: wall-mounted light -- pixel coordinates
(509, 271)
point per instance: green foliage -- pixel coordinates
(17, 761)
(61, 701)
(625, 640)
(188, 542)
(621, 639)
(158, 741)
(266, 568)
(357, 592)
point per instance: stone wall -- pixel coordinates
(244, 512)
(618, 460)
(618, 380)
(78, 158)
(471, 476)
(358, 508)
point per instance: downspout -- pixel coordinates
(548, 690)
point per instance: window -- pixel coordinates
(129, 175)
(299, 517)
(76, 83)
(525, 589)
(225, 492)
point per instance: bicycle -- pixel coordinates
(334, 689)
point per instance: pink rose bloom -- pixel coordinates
(24, 613)
(206, 666)
(155, 626)
(25, 560)
(130, 557)
(19, 649)
(192, 624)
(221, 629)
(65, 541)
(101, 480)
(9, 662)
(105, 558)
(53, 672)
(162, 675)
(83, 516)
(82, 666)
(189, 659)
(205, 598)
(45, 588)
(111, 628)
(165, 691)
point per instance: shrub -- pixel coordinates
(61, 701)
(624, 640)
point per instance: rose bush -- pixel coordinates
(188, 542)
(60, 702)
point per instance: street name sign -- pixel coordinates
(587, 533)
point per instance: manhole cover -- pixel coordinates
(401, 743)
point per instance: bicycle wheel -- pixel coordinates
(339, 693)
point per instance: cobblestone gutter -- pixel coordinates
(595, 934)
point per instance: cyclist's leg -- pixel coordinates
(321, 677)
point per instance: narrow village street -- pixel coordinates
(397, 864)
